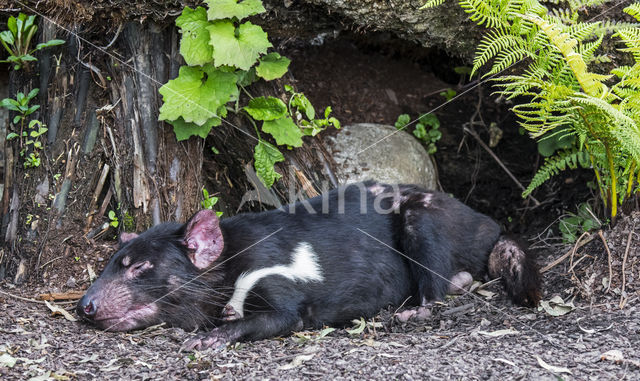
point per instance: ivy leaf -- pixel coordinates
(194, 44)
(262, 108)
(227, 9)
(266, 156)
(196, 94)
(185, 130)
(240, 48)
(284, 131)
(272, 66)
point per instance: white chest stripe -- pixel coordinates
(304, 267)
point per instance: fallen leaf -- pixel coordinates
(614, 355)
(500, 332)
(556, 306)
(92, 274)
(506, 362)
(93, 357)
(43, 377)
(296, 362)
(551, 368)
(55, 310)
(6, 360)
(110, 367)
(361, 324)
(486, 293)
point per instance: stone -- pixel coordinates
(380, 152)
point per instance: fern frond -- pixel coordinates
(432, 3)
(565, 44)
(492, 43)
(505, 59)
(633, 10)
(552, 166)
(612, 26)
(482, 13)
(631, 38)
(583, 30)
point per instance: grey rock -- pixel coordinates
(381, 152)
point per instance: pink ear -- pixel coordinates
(126, 237)
(203, 238)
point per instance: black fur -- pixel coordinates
(369, 261)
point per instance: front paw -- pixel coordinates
(418, 314)
(214, 339)
(229, 313)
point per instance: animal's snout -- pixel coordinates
(86, 308)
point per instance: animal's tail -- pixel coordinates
(518, 270)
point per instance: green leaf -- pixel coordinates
(112, 215)
(196, 94)
(185, 130)
(16, 119)
(284, 131)
(12, 135)
(7, 37)
(272, 66)
(430, 120)
(9, 104)
(403, 120)
(420, 131)
(239, 48)
(27, 57)
(270, 108)
(11, 24)
(246, 77)
(194, 44)
(32, 109)
(302, 103)
(227, 9)
(32, 93)
(49, 44)
(266, 156)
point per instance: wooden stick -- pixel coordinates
(579, 243)
(52, 296)
(624, 263)
(604, 241)
(497, 159)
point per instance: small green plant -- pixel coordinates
(572, 226)
(224, 55)
(427, 129)
(17, 40)
(30, 134)
(113, 219)
(208, 202)
(448, 94)
(128, 222)
(600, 112)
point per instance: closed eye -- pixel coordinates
(138, 268)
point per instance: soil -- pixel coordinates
(475, 336)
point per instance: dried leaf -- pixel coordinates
(551, 368)
(556, 306)
(57, 310)
(296, 362)
(614, 355)
(92, 274)
(361, 324)
(6, 360)
(500, 332)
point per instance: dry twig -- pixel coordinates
(604, 241)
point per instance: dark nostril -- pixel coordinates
(86, 308)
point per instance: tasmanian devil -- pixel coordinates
(324, 261)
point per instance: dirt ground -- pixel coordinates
(475, 336)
